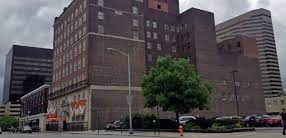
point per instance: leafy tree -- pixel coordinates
(8, 121)
(175, 86)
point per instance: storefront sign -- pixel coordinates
(77, 107)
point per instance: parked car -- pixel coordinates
(114, 125)
(229, 117)
(275, 121)
(263, 120)
(27, 129)
(249, 121)
(184, 119)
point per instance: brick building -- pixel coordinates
(257, 24)
(34, 109)
(90, 82)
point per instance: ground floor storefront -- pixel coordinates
(36, 122)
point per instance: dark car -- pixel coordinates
(114, 125)
(250, 121)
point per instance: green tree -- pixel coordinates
(8, 121)
(175, 86)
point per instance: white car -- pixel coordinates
(27, 129)
(184, 119)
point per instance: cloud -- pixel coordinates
(26, 22)
(223, 9)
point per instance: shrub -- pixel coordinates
(202, 123)
(191, 126)
(140, 121)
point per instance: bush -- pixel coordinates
(191, 126)
(202, 123)
(168, 124)
(140, 121)
(226, 123)
(8, 121)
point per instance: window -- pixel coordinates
(84, 17)
(159, 47)
(80, 33)
(136, 34)
(134, 10)
(282, 102)
(100, 15)
(135, 22)
(148, 34)
(149, 45)
(83, 45)
(83, 30)
(80, 8)
(174, 49)
(173, 28)
(84, 4)
(76, 12)
(166, 27)
(79, 21)
(148, 23)
(79, 48)
(155, 35)
(100, 3)
(100, 29)
(83, 62)
(149, 56)
(155, 25)
(167, 37)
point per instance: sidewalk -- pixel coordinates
(125, 133)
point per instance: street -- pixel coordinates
(260, 133)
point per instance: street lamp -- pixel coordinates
(129, 87)
(29, 112)
(235, 91)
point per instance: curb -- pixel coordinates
(127, 135)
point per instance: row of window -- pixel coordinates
(172, 28)
(72, 81)
(135, 23)
(77, 50)
(72, 39)
(70, 68)
(60, 28)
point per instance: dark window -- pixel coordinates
(159, 6)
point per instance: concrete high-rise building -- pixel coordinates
(91, 82)
(257, 24)
(26, 69)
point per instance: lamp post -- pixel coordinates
(129, 87)
(235, 91)
(29, 112)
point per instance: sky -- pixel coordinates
(30, 22)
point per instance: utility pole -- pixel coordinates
(235, 92)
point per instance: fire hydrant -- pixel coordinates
(181, 130)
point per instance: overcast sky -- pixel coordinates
(29, 22)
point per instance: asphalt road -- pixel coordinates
(260, 133)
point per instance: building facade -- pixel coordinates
(26, 69)
(10, 109)
(90, 82)
(34, 109)
(239, 61)
(275, 105)
(257, 24)
(85, 71)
